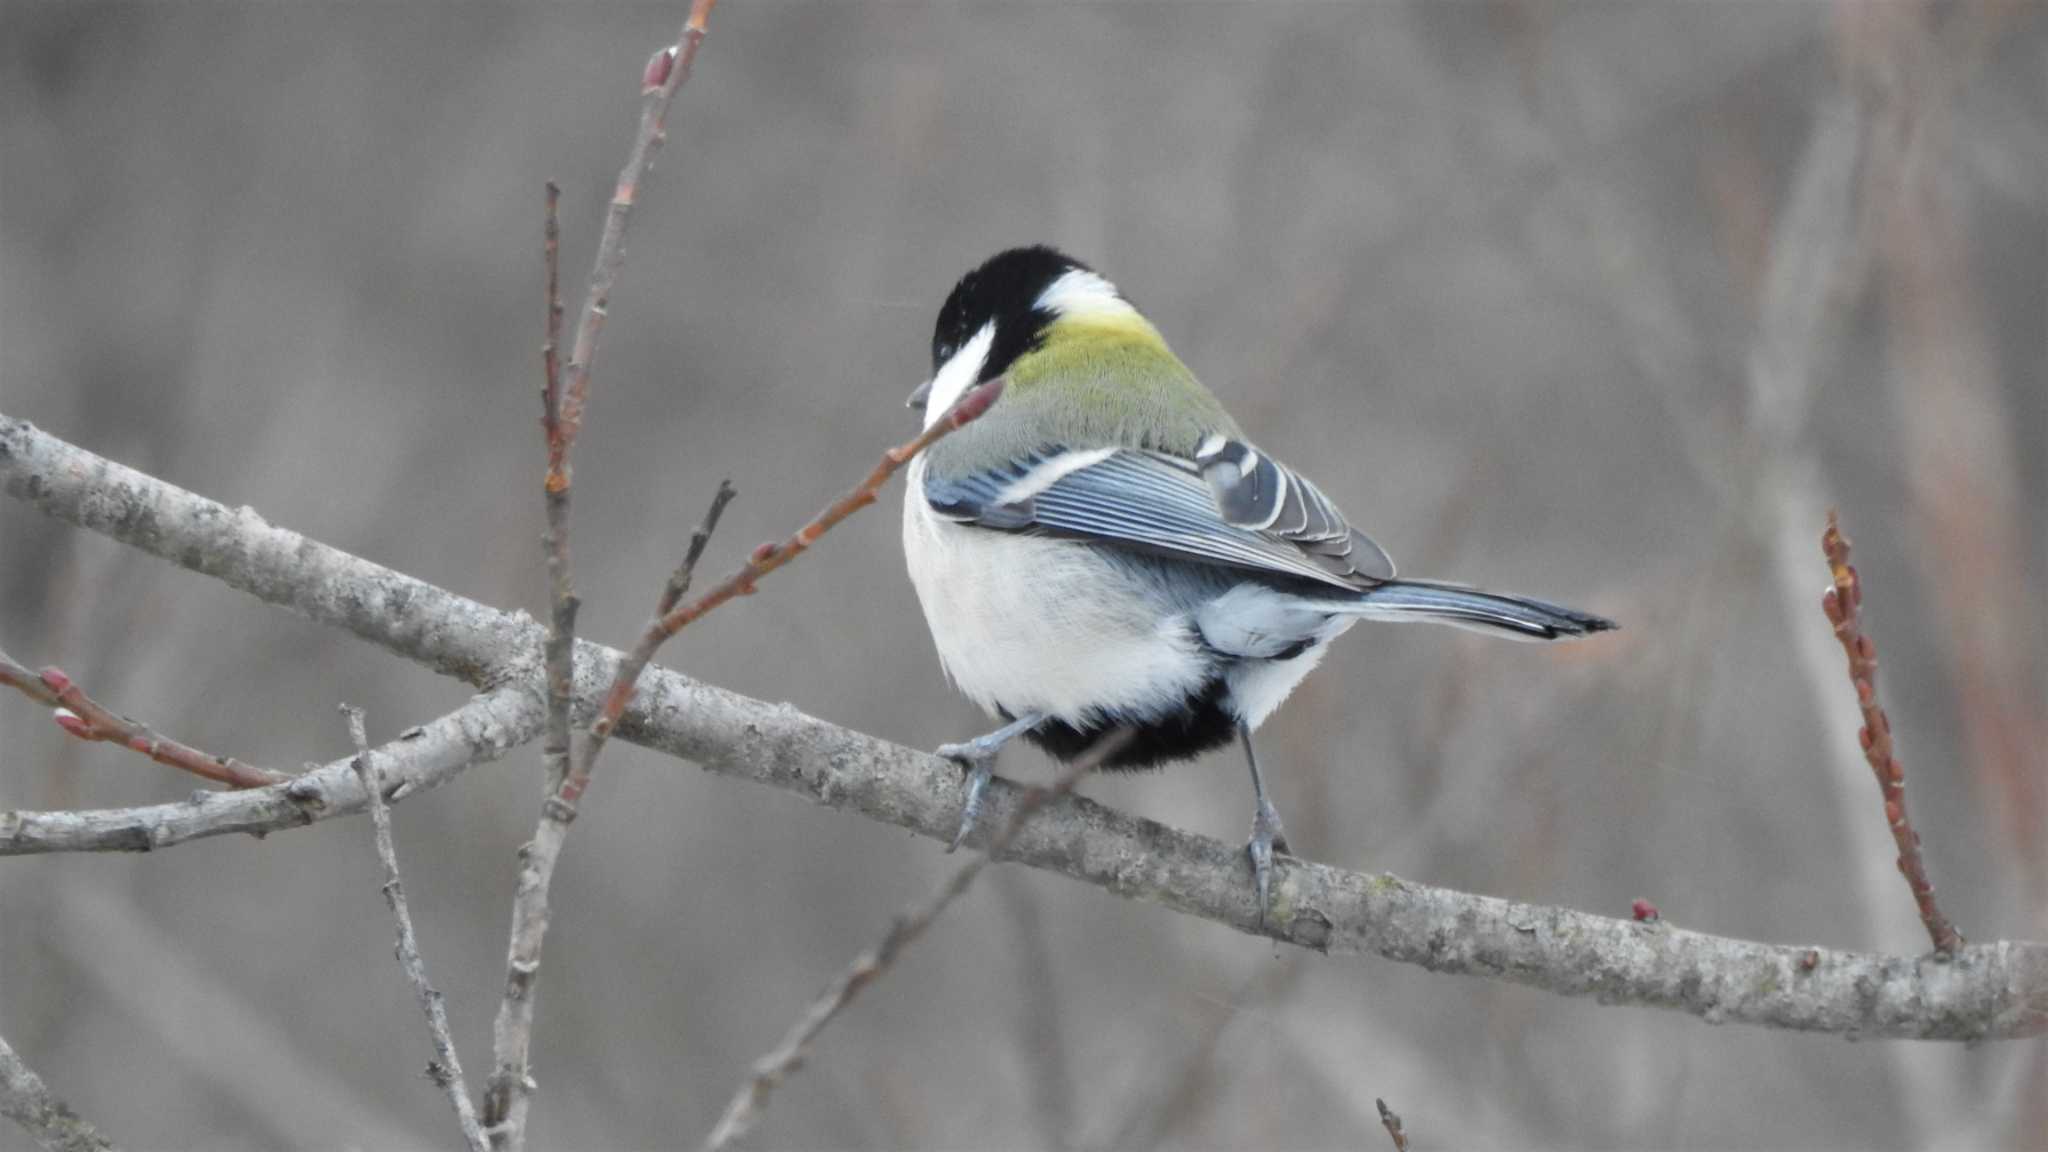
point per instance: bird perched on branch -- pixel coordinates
(1104, 549)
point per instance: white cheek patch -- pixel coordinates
(958, 374)
(1080, 292)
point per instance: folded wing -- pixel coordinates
(1230, 505)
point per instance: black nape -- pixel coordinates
(1004, 289)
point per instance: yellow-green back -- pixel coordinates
(1094, 381)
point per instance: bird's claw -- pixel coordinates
(980, 764)
(1268, 837)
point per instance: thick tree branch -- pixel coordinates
(27, 1101)
(1986, 991)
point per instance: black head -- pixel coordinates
(1005, 289)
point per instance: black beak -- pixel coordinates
(918, 397)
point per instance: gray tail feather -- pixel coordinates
(1516, 616)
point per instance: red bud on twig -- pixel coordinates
(658, 65)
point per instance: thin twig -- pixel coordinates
(27, 1101)
(512, 1085)
(767, 558)
(88, 719)
(1393, 1124)
(565, 393)
(420, 758)
(1843, 602)
(561, 646)
(446, 1070)
(611, 247)
(1987, 991)
(678, 584)
(745, 1108)
(559, 439)
(512, 1030)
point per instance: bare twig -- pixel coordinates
(27, 1101)
(421, 758)
(659, 87)
(1843, 602)
(511, 1087)
(1393, 1124)
(446, 1070)
(561, 647)
(88, 719)
(766, 558)
(744, 1110)
(558, 437)
(678, 584)
(506, 1095)
(1994, 990)
(565, 393)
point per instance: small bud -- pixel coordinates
(657, 70)
(70, 722)
(975, 403)
(55, 680)
(1645, 911)
(763, 553)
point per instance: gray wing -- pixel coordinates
(1253, 490)
(1215, 512)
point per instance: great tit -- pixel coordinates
(1104, 549)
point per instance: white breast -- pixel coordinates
(1026, 623)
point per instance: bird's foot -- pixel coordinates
(1268, 837)
(977, 758)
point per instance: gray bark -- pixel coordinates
(1987, 991)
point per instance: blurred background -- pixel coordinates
(1602, 303)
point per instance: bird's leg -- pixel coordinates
(978, 756)
(1268, 836)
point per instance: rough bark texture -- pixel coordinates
(1988, 990)
(25, 1100)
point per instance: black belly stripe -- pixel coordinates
(1201, 723)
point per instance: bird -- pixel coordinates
(1104, 549)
